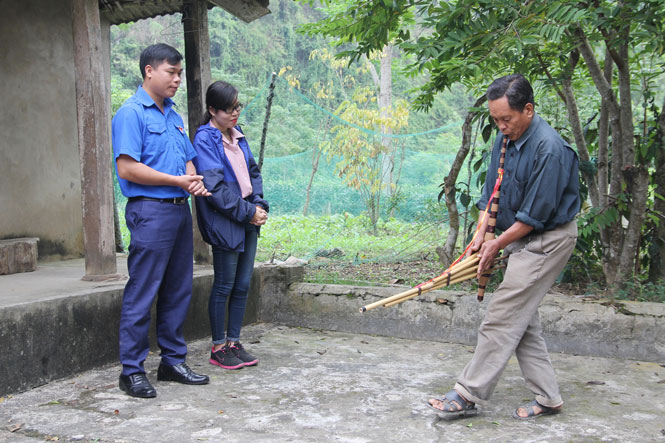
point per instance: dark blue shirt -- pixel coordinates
(540, 184)
(141, 131)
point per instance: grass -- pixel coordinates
(345, 237)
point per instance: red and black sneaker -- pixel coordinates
(242, 355)
(225, 358)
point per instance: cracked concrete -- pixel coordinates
(321, 386)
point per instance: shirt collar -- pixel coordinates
(535, 121)
(235, 135)
(147, 101)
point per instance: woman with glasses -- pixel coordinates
(229, 219)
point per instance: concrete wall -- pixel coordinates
(629, 330)
(40, 184)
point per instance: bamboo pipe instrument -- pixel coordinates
(491, 223)
(458, 279)
(462, 271)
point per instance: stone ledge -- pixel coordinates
(571, 325)
(18, 255)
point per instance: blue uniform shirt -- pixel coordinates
(540, 184)
(141, 131)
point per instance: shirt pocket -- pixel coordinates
(516, 194)
(154, 142)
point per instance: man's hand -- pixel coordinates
(480, 236)
(490, 248)
(260, 216)
(194, 185)
(488, 252)
(477, 244)
(130, 169)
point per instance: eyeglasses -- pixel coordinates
(237, 107)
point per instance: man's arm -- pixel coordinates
(131, 170)
(490, 248)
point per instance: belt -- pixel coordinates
(172, 200)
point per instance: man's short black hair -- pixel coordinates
(515, 87)
(155, 55)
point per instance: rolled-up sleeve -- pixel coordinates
(543, 191)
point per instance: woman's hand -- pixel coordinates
(260, 216)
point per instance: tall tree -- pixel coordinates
(563, 46)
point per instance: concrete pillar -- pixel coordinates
(93, 114)
(197, 61)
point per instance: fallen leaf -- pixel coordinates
(233, 396)
(296, 342)
(496, 423)
(470, 425)
(2, 399)
(116, 412)
(220, 412)
(595, 382)
(54, 402)
(364, 342)
(442, 301)
(15, 427)
(661, 381)
(322, 352)
(615, 403)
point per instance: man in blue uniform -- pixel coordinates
(538, 204)
(154, 164)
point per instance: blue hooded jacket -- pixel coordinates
(223, 216)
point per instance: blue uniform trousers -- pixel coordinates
(160, 264)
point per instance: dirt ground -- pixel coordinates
(409, 274)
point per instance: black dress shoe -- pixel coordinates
(137, 385)
(181, 373)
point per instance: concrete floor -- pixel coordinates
(319, 386)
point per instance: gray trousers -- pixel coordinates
(512, 324)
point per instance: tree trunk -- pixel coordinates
(603, 137)
(657, 265)
(383, 82)
(604, 87)
(316, 155)
(635, 175)
(447, 251)
(578, 132)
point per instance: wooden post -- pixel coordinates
(267, 118)
(197, 63)
(93, 110)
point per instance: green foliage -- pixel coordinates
(305, 236)
(642, 291)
